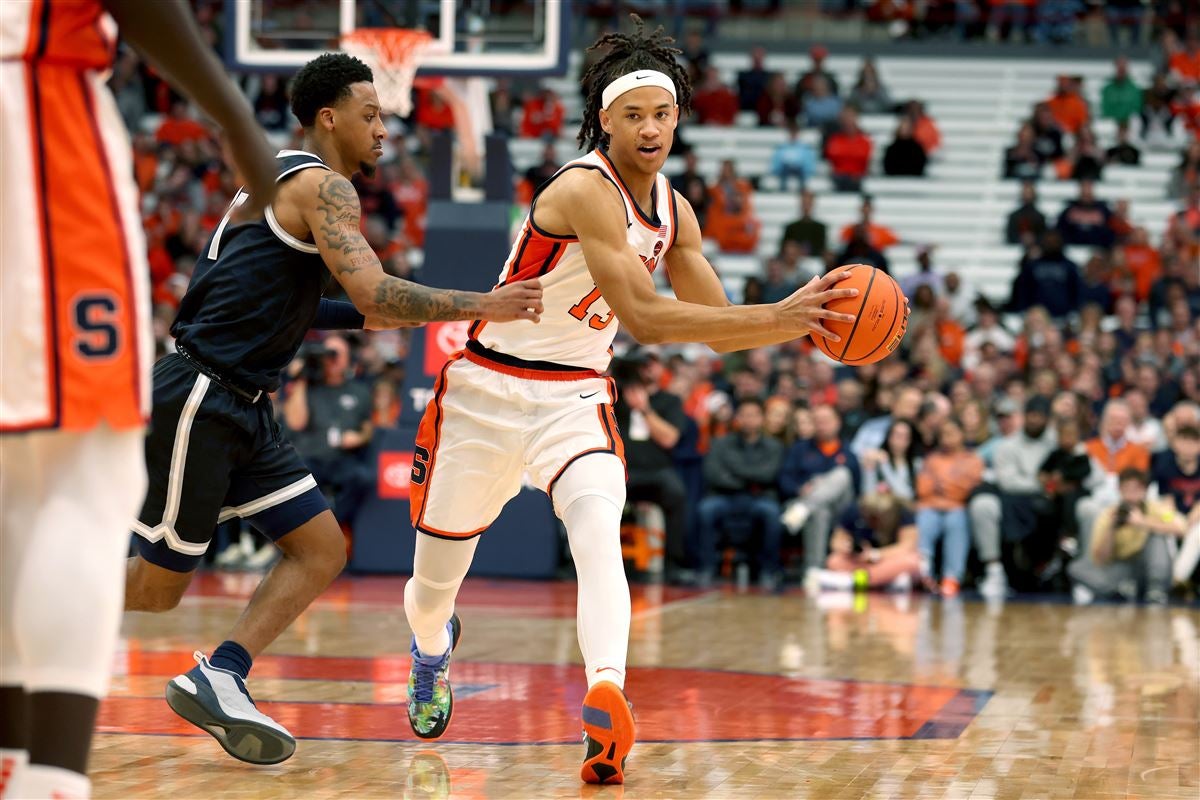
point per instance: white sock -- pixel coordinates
(39, 782)
(12, 764)
(995, 569)
(603, 610)
(439, 566)
(832, 579)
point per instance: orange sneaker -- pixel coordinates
(949, 587)
(608, 733)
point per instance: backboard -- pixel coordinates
(471, 37)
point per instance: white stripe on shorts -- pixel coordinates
(269, 500)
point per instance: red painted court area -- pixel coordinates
(539, 703)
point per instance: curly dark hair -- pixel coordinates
(629, 53)
(325, 81)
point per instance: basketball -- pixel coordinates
(881, 312)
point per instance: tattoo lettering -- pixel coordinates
(402, 300)
(337, 200)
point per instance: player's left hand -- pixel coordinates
(521, 300)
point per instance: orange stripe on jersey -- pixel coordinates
(429, 435)
(535, 257)
(72, 34)
(39, 24)
(637, 210)
(89, 272)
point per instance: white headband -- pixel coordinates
(636, 80)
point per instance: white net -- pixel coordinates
(394, 55)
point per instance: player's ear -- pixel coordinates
(605, 122)
(325, 118)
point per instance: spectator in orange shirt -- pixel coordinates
(1067, 105)
(848, 151)
(1184, 63)
(880, 237)
(1110, 451)
(179, 127)
(1186, 107)
(411, 193)
(542, 115)
(925, 130)
(951, 335)
(731, 221)
(1143, 262)
(433, 111)
(714, 103)
(947, 479)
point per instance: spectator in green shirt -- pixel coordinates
(1121, 98)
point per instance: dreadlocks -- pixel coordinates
(628, 53)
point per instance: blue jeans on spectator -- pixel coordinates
(787, 171)
(762, 512)
(933, 525)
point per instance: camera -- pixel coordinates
(312, 354)
(1124, 510)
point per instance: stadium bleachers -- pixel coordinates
(962, 203)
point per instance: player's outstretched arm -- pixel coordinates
(165, 32)
(583, 203)
(694, 280)
(332, 212)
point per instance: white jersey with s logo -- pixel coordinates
(577, 327)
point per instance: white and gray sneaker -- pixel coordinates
(216, 701)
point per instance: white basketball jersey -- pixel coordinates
(577, 326)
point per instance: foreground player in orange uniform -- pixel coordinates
(531, 398)
(75, 325)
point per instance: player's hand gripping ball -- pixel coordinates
(881, 318)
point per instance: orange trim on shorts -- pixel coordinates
(429, 435)
(529, 374)
(614, 445)
(428, 531)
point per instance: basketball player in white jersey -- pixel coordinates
(525, 397)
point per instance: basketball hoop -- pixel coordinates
(393, 54)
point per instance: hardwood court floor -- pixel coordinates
(737, 695)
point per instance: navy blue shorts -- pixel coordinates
(212, 455)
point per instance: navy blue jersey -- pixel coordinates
(254, 294)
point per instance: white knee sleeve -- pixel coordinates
(72, 500)
(439, 566)
(589, 497)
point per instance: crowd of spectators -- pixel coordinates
(1054, 448)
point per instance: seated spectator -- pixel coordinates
(696, 55)
(1185, 178)
(411, 193)
(1047, 134)
(714, 103)
(503, 107)
(880, 237)
(1008, 17)
(924, 276)
(818, 481)
(1186, 107)
(777, 286)
(179, 126)
(1026, 513)
(1157, 114)
(849, 405)
(869, 95)
(925, 130)
(860, 251)
(1130, 549)
(1085, 161)
(804, 86)
(1112, 452)
(538, 174)
(651, 422)
(1023, 160)
(874, 546)
(848, 151)
(1047, 278)
(753, 82)
(731, 221)
(1066, 474)
(807, 231)
(947, 478)
(821, 106)
(1085, 220)
(741, 471)
(542, 115)
(1184, 63)
(961, 295)
(793, 159)
(1124, 14)
(1144, 428)
(776, 106)
(1056, 20)
(905, 155)
(1143, 262)
(1123, 152)
(1026, 222)
(905, 405)
(1176, 473)
(893, 468)
(1120, 99)
(691, 184)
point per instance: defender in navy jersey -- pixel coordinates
(214, 451)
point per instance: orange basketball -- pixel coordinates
(881, 313)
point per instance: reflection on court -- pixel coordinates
(736, 695)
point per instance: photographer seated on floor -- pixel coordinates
(1130, 548)
(330, 417)
(874, 546)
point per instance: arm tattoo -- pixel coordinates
(396, 300)
(338, 203)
